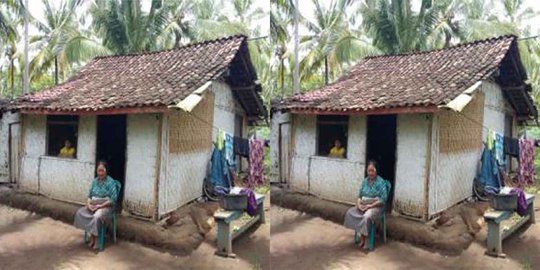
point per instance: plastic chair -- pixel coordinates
(102, 227)
(372, 228)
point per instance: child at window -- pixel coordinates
(338, 151)
(68, 151)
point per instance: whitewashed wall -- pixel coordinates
(278, 119)
(328, 178)
(456, 171)
(141, 162)
(6, 119)
(58, 178)
(411, 160)
(304, 131)
(183, 174)
(225, 108)
(496, 107)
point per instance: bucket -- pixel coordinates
(503, 201)
(233, 202)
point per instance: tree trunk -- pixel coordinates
(282, 77)
(56, 70)
(12, 66)
(325, 69)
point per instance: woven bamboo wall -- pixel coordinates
(461, 132)
(192, 132)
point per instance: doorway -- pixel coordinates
(111, 147)
(381, 147)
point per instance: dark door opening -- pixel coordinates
(381, 147)
(111, 147)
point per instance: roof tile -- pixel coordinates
(416, 79)
(149, 79)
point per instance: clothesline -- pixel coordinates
(204, 121)
(478, 123)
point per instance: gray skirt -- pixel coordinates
(90, 222)
(359, 220)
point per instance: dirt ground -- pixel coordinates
(301, 241)
(461, 223)
(30, 241)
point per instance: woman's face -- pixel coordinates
(67, 144)
(337, 144)
(101, 171)
(371, 171)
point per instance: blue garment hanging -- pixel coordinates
(219, 171)
(489, 171)
(229, 150)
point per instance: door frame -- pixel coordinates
(123, 181)
(367, 154)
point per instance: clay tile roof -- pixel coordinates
(153, 79)
(428, 78)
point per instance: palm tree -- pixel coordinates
(280, 19)
(8, 38)
(178, 24)
(395, 27)
(332, 43)
(61, 44)
(126, 28)
(7, 28)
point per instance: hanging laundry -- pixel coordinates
(219, 172)
(489, 173)
(526, 162)
(499, 149)
(511, 146)
(229, 150)
(256, 162)
(241, 146)
(220, 139)
(490, 138)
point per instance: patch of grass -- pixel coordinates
(262, 189)
(532, 189)
(255, 262)
(527, 264)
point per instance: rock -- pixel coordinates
(444, 219)
(172, 219)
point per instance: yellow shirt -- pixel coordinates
(337, 152)
(67, 152)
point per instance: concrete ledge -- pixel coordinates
(181, 239)
(452, 240)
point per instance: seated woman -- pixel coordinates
(68, 151)
(338, 151)
(101, 198)
(371, 198)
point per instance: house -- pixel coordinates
(152, 116)
(423, 116)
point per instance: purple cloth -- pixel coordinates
(522, 202)
(526, 162)
(252, 202)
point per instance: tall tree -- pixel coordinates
(126, 28)
(332, 43)
(9, 9)
(60, 43)
(395, 27)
